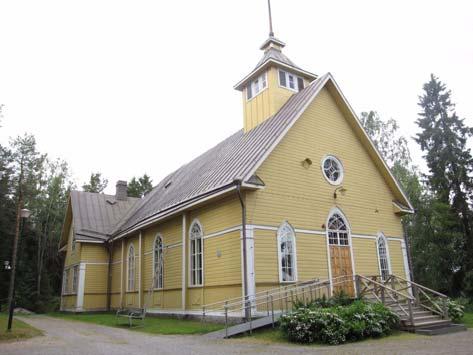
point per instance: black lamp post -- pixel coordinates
(22, 214)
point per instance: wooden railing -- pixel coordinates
(404, 293)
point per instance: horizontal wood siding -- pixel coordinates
(366, 256)
(397, 260)
(303, 196)
(311, 257)
(94, 253)
(266, 256)
(96, 278)
(222, 260)
(218, 215)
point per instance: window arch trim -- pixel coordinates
(333, 212)
(382, 237)
(130, 282)
(281, 228)
(193, 274)
(160, 281)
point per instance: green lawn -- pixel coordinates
(270, 335)
(20, 330)
(153, 325)
(468, 319)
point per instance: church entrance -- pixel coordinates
(340, 254)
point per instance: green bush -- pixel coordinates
(455, 310)
(339, 299)
(336, 325)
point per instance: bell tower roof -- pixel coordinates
(273, 54)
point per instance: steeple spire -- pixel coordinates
(271, 33)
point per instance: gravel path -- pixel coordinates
(72, 337)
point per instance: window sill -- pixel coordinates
(195, 286)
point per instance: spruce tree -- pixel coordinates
(443, 140)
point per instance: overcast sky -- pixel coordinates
(128, 87)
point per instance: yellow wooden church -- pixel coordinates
(299, 193)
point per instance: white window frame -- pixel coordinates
(338, 231)
(287, 74)
(342, 169)
(160, 280)
(65, 281)
(262, 85)
(75, 278)
(193, 271)
(382, 237)
(281, 229)
(130, 281)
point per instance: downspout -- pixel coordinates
(238, 183)
(109, 283)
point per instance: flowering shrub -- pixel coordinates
(337, 325)
(455, 310)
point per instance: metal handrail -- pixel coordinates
(281, 295)
(239, 299)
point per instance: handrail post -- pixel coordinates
(292, 301)
(303, 297)
(358, 286)
(267, 303)
(393, 285)
(328, 290)
(411, 313)
(251, 322)
(272, 310)
(382, 295)
(445, 308)
(287, 301)
(203, 314)
(226, 320)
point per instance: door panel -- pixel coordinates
(340, 261)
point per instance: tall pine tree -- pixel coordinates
(443, 140)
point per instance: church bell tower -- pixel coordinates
(270, 84)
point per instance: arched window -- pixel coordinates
(287, 253)
(337, 230)
(158, 261)
(195, 236)
(131, 268)
(383, 256)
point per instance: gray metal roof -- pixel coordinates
(96, 215)
(275, 54)
(234, 158)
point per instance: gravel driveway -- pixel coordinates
(72, 337)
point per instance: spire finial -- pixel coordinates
(271, 33)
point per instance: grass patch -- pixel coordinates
(20, 330)
(468, 319)
(276, 336)
(152, 325)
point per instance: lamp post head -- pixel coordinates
(6, 265)
(25, 213)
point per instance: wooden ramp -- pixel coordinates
(245, 327)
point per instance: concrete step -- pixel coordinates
(445, 329)
(432, 323)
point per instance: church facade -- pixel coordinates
(300, 193)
